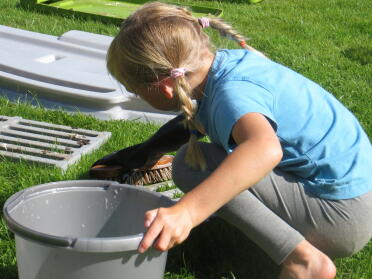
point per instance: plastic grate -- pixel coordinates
(46, 143)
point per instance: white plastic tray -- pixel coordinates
(67, 72)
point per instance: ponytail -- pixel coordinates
(194, 156)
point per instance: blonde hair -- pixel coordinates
(152, 42)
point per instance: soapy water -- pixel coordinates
(110, 201)
(106, 203)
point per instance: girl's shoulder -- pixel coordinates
(242, 64)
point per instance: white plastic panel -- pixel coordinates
(68, 72)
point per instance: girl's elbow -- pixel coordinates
(279, 155)
(276, 154)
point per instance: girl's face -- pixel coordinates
(154, 97)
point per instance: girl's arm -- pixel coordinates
(168, 138)
(258, 151)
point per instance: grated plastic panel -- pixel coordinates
(46, 143)
(173, 194)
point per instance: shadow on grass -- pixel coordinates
(8, 272)
(8, 268)
(362, 55)
(215, 249)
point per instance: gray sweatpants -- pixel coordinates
(277, 213)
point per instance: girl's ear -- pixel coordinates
(167, 88)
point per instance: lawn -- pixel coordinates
(328, 41)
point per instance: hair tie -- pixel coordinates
(178, 72)
(175, 73)
(204, 22)
(242, 44)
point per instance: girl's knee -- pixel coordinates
(344, 250)
(337, 247)
(185, 177)
(349, 248)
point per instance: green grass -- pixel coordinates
(166, 187)
(327, 41)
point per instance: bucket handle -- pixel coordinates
(113, 244)
(28, 233)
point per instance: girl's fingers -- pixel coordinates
(150, 236)
(164, 241)
(166, 227)
(150, 217)
(171, 245)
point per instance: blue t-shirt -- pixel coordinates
(323, 144)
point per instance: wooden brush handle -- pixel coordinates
(106, 171)
(163, 162)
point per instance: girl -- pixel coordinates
(288, 164)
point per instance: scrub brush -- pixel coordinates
(161, 171)
(125, 165)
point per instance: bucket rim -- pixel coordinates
(80, 244)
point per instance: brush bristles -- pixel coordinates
(144, 177)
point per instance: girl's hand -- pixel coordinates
(166, 227)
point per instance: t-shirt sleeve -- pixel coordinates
(235, 99)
